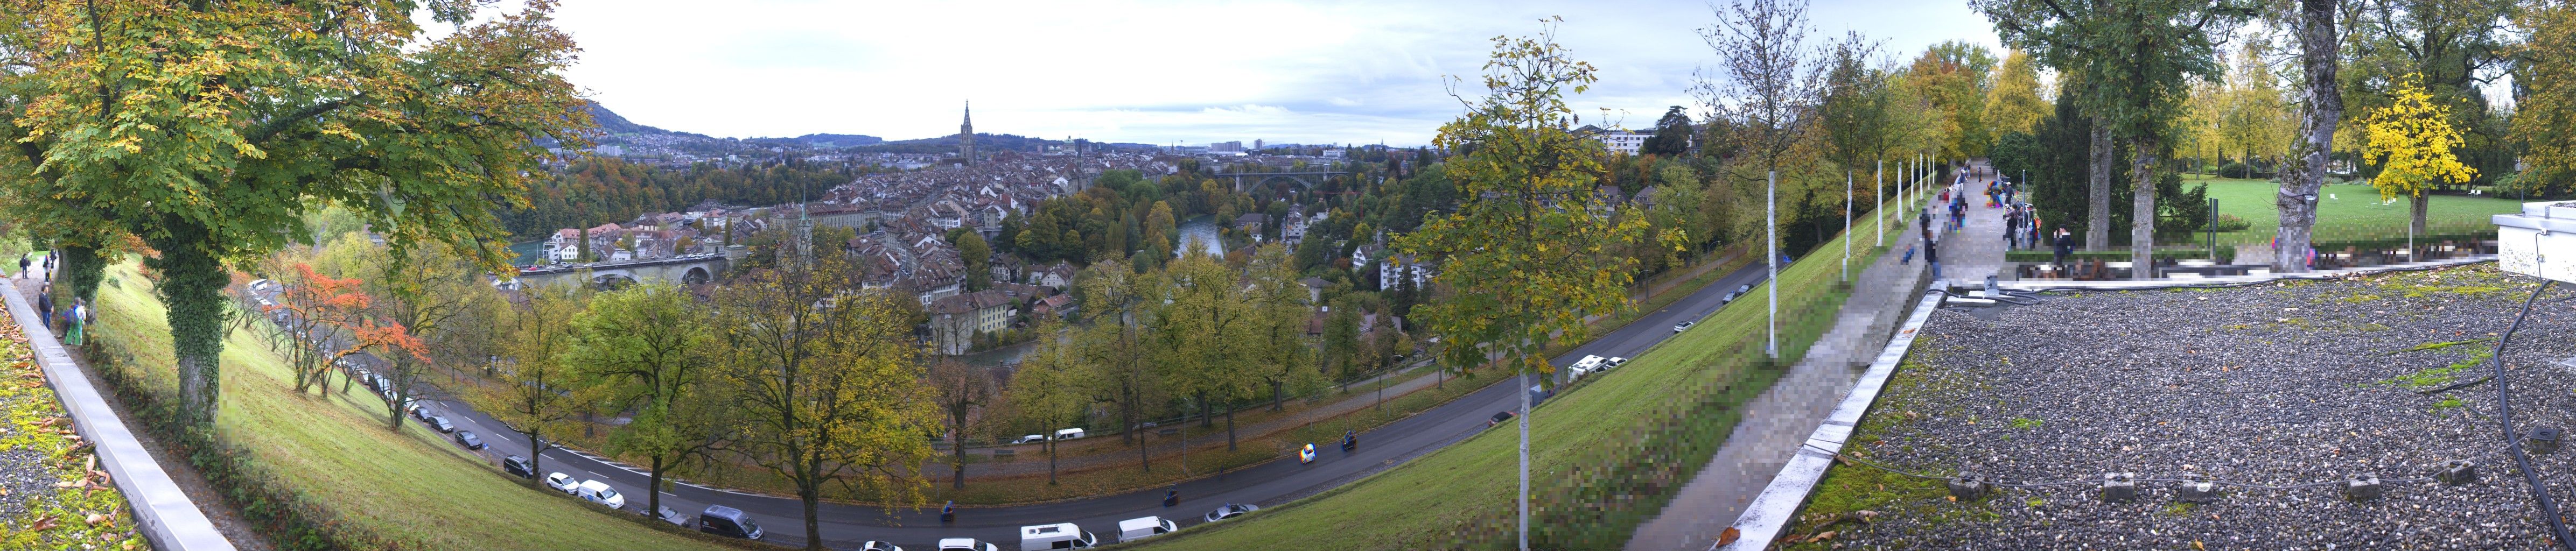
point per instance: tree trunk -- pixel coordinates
(1278, 396)
(1207, 418)
(80, 270)
(2419, 203)
(957, 443)
(192, 283)
(2142, 221)
(537, 456)
(1050, 447)
(652, 485)
(2305, 174)
(813, 525)
(1229, 428)
(2097, 226)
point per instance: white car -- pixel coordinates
(1030, 439)
(965, 544)
(1683, 326)
(1614, 361)
(598, 492)
(561, 482)
(1139, 528)
(1306, 455)
(1231, 510)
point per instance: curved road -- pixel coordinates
(1266, 484)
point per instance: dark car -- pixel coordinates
(469, 440)
(518, 467)
(728, 522)
(1231, 510)
(1499, 418)
(440, 422)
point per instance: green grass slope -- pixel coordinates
(2349, 211)
(1605, 454)
(412, 486)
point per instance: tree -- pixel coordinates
(961, 389)
(829, 382)
(1045, 390)
(424, 291)
(2015, 105)
(1276, 348)
(2305, 174)
(1763, 85)
(2135, 58)
(2411, 139)
(979, 260)
(1521, 249)
(325, 320)
(1856, 108)
(1115, 347)
(279, 106)
(649, 348)
(537, 392)
(1672, 135)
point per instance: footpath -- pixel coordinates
(1780, 419)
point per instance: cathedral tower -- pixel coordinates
(966, 136)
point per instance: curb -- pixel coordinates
(165, 514)
(1779, 503)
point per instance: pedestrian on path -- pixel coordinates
(79, 319)
(45, 306)
(1932, 256)
(2065, 246)
(22, 265)
(49, 264)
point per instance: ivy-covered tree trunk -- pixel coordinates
(80, 269)
(192, 283)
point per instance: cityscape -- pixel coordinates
(2109, 274)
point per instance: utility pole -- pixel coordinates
(1878, 194)
(1771, 238)
(1847, 205)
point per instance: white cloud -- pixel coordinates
(1141, 71)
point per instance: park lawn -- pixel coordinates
(2349, 211)
(408, 487)
(1606, 454)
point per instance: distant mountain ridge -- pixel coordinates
(614, 124)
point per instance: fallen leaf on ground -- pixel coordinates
(43, 524)
(1729, 536)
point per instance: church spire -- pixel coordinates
(966, 136)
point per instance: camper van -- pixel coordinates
(1055, 536)
(1068, 434)
(1138, 528)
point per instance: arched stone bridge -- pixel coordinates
(1312, 179)
(685, 269)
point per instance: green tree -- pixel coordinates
(536, 396)
(648, 348)
(280, 106)
(1522, 251)
(1116, 349)
(1046, 389)
(979, 260)
(2411, 139)
(961, 389)
(2545, 117)
(1672, 135)
(829, 382)
(2014, 105)
(2136, 59)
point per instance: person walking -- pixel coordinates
(1932, 256)
(79, 319)
(2065, 246)
(49, 264)
(45, 306)
(22, 265)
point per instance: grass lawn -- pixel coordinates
(1605, 457)
(2348, 211)
(409, 487)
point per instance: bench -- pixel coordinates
(1005, 452)
(1168, 431)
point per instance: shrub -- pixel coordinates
(2235, 170)
(2230, 222)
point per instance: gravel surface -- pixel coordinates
(2278, 384)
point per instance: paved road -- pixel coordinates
(1267, 484)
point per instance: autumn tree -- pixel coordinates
(979, 260)
(536, 394)
(322, 320)
(2545, 117)
(1117, 347)
(1520, 250)
(1046, 389)
(2411, 139)
(2135, 59)
(961, 389)
(649, 348)
(2014, 105)
(829, 379)
(1277, 352)
(278, 107)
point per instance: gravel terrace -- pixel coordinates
(2278, 384)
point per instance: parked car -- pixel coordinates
(1030, 438)
(1614, 361)
(728, 522)
(440, 422)
(598, 492)
(519, 467)
(469, 440)
(1139, 528)
(1683, 326)
(416, 410)
(965, 544)
(1068, 434)
(1499, 418)
(1062, 535)
(673, 517)
(1231, 510)
(561, 482)
(878, 546)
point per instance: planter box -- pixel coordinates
(2540, 241)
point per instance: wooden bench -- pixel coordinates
(999, 453)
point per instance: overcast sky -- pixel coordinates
(1141, 71)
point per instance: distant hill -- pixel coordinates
(612, 123)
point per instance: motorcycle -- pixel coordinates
(1350, 441)
(948, 513)
(1172, 497)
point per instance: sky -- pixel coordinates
(1154, 72)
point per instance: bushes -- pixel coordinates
(2235, 170)
(2224, 253)
(2232, 223)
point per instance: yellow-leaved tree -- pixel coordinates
(2412, 139)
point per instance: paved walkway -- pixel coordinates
(1782, 417)
(1975, 251)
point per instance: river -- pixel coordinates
(1202, 230)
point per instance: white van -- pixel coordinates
(1055, 536)
(1068, 434)
(1138, 528)
(1584, 366)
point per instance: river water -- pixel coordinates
(1203, 231)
